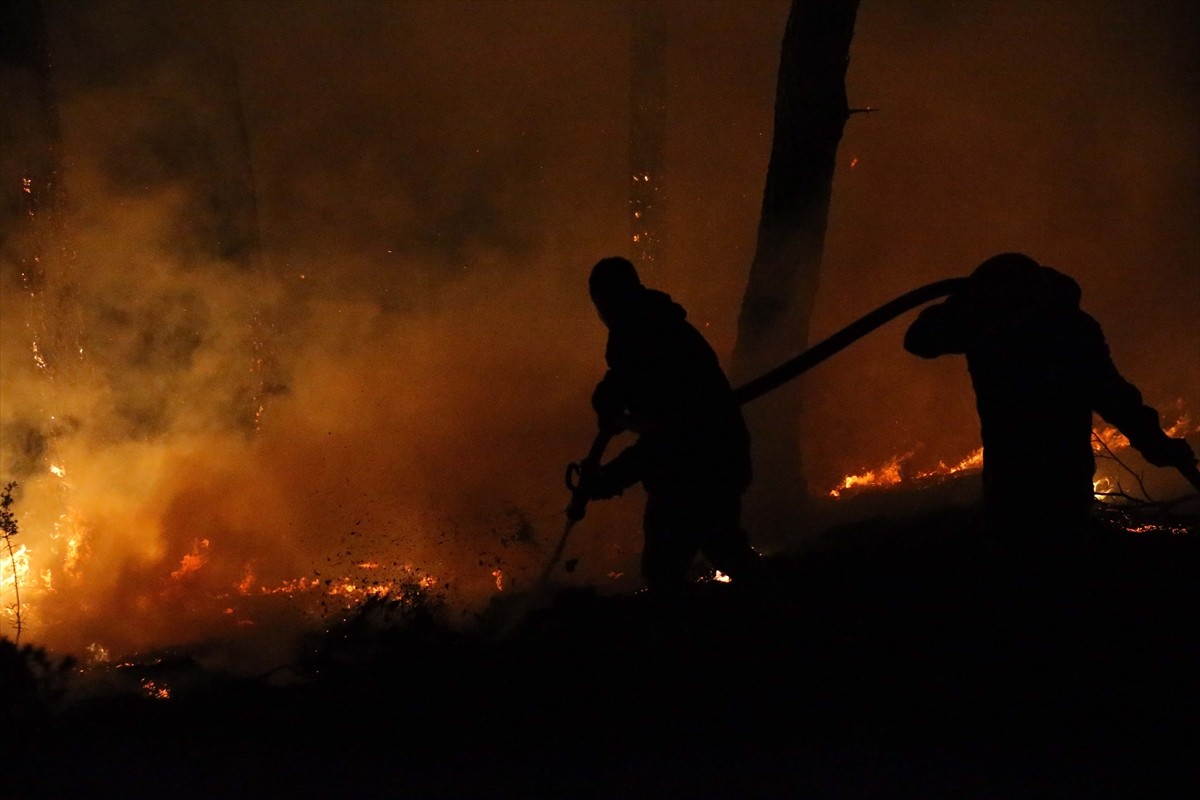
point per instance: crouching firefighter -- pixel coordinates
(692, 454)
(1040, 367)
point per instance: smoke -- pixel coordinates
(326, 267)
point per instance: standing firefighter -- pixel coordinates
(693, 452)
(1040, 367)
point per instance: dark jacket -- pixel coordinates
(665, 375)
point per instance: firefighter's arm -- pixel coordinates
(617, 475)
(609, 403)
(1120, 403)
(938, 330)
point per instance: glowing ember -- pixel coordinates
(156, 691)
(498, 574)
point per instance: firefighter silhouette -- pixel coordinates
(1040, 367)
(692, 454)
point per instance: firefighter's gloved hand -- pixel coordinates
(617, 475)
(1169, 453)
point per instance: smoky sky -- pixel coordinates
(327, 260)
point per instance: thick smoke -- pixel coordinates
(327, 265)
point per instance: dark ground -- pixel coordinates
(913, 662)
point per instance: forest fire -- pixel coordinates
(292, 358)
(231, 387)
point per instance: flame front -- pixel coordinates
(1107, 441)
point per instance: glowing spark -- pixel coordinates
(37, 357)
(97, 653)
(58, 471)
(498, 574)
(156, 691)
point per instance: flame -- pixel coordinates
(14, 573)
(973, 461)
(193, 561)
(1106, 440)
(886, 475)
(247, 581)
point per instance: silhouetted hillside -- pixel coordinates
(913, 660)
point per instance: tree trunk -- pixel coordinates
(810, 113)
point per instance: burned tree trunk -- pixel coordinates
(810, 113)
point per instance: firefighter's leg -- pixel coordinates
(726, 546)
(670, 545)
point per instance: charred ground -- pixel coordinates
(912, 661)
